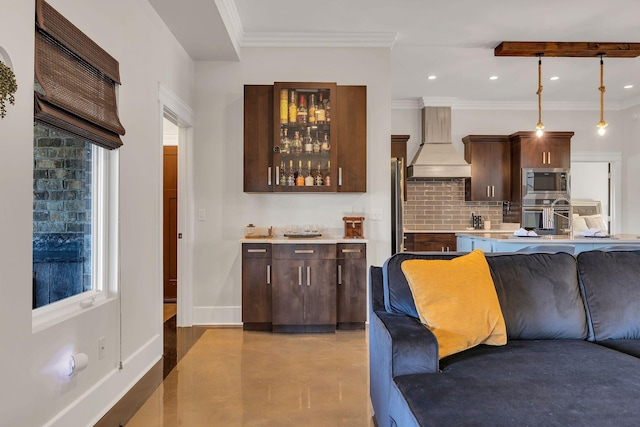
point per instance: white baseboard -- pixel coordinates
(225, 315)
(89, 408)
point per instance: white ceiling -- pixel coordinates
(452, 39)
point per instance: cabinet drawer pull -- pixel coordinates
(268, 274)
(277, 175)
(339, 176)
(308, 276)
(304, 251)
(339, 275)
(257, 251)
(300, 276)
(269, 176)
(352, 251)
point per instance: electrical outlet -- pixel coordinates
(376, 214)
(101, 347)
(202, 215)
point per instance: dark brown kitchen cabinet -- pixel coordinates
(304, 288)
(352, 285)
(332, 147)
(490, 159)
(430, 242)
(256, 286)
(551, 150)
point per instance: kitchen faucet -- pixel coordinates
(549, 214)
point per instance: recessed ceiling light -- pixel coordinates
(432, 77)
(554, 78)
(628, 86)
(493, 78)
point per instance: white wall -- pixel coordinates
(218, 154)
(34, 392)
(623, 136)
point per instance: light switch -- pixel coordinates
(376, 214)
(202, 214)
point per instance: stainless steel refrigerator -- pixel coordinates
(397, 204)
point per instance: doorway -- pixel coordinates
(170, 217)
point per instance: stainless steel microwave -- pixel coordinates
(547, 182)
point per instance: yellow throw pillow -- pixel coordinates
(457, 301)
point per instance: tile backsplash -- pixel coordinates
(440, 205)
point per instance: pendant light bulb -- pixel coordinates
(539, 126)
(602, 128)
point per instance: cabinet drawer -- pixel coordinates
(351, 250)
(304, 251)
(256, 250)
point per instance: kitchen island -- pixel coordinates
(507, 242)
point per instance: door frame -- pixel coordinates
(180, 112)
(615, 179)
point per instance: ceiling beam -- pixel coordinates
(568, 49)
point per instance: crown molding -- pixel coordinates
(293, 39)
(461, 104)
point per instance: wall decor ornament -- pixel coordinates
(8, 88)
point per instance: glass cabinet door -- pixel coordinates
(303, 142)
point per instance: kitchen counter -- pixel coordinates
(507, 242)
(461, 230)
(281, 240)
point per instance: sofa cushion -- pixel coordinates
(539, 295)
(537, 383)
(457, 301)
(631, 347)
(611, 288)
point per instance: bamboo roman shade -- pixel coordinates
(75, 81)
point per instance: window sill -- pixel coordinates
(53, 314)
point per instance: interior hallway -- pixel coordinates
(234, 378)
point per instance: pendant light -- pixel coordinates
(539, 126)
(602, 125)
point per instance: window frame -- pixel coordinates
(104, 246)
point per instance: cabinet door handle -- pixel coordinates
(544, 157)
(488, 192)
(257, 251)
(304, 251)
(353, 251)
(300, 275)
(339, 176)
(269, 176)
(277, 175)
(268, 274)
(308, 276)
(549, 157)
(493, 191)
(441, 248)
(339, 275)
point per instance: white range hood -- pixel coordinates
(437, 157)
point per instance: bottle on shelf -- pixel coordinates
(326, 145)
(296, 145)
(300, 177)
(317, 147)
(302, 111)
(308, 143)
(312, 109)
(320, 112)
(285, 142)
(327, 111)
(283, 175)
(319, 180)
(309, 180)
(291, 178)
(293, 109)
(327, 176)
(284, 106)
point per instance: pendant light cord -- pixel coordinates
(602, 89)
(539, 126)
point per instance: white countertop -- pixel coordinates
(322, 240)
(550, 239)
(460, 230)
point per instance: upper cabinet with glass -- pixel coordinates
(305, 138)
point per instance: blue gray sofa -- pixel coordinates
(572, 356)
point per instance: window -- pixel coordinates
(75, 169)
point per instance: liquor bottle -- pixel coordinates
(327, 177)
(316, 144)
(312, 109)
(326, 145)
(308, 144)
(291, 179)
(302, 111)
(283, 175)
(327, 111)
(320, 112)
(293, 109)
(285, 142)
(309, 180)
(296, 145)
(284, 106)
(300, 177)
(319, 180)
